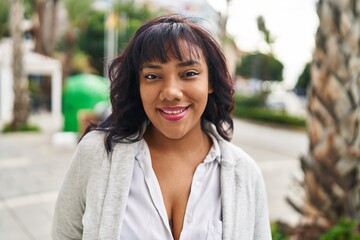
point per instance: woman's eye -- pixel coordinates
(190, 74)
(151, 76)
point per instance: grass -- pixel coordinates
(24, 128)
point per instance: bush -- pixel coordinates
(343, 230)
(253, 108)
(257, 100)
(276, 233)
(260, 66)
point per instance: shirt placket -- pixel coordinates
(154, 190)
(192, 201)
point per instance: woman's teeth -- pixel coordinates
(174, 112)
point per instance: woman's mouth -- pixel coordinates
(173, 113)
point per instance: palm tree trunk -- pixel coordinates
(331, 168)
(45, 25)
(21, 96)
(70, 40)
(222, 23)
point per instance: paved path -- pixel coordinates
(31, 171)
(32, 168)
(277, 152)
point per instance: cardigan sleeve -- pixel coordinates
(70, 205)
(262, 222)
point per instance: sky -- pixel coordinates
(293, 24)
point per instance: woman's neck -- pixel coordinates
(194, 142)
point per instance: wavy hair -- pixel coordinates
(158, 40)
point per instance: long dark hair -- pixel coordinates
(153, 42)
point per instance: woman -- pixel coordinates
(161, 165)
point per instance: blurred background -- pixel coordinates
(267, 43)
(295, 68)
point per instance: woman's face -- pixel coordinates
(174, 94)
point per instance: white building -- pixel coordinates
(34, 64)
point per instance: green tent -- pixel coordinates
(82, 91)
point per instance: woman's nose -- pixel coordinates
(171, 90)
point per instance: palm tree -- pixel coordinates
(260, 20)
(223, 19)
(21, 96)
(331, 168)
(45, 14)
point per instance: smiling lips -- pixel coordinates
(173, 113)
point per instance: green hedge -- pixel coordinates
(253, 107)
(267, 115)
(257, 100)
(343, 230)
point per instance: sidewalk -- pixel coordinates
(31, 172)
(32, 169)
(277, 152)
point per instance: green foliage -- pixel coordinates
(25, 128)
(253, 108)
(4, 13)
(257, 100)
(343, 230)
(276, 233)
(29, 8)
(78, 11)
(132, 16)
(267, 115)
(91, 34)
(262, 28)
(91, 40)
(260, 66)
(81, 63)
(304, 78)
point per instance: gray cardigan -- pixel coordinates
(92, 201)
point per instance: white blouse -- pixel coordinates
(145, 215)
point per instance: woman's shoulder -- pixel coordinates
(233, 155)
(93, 141)
(238, 158)
(93, 145)
(90, 151)
(92, 137)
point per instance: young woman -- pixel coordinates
(161, 165)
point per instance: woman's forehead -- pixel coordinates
(181, 50)
(188, 60)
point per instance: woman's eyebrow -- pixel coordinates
(188, 63)
(151, 65)
(180, 64)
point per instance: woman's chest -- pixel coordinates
(188, 208)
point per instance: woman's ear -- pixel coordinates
(210, 90)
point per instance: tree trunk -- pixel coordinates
(21, 95)
(70, 40)
(331, 168)
(45, 26)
